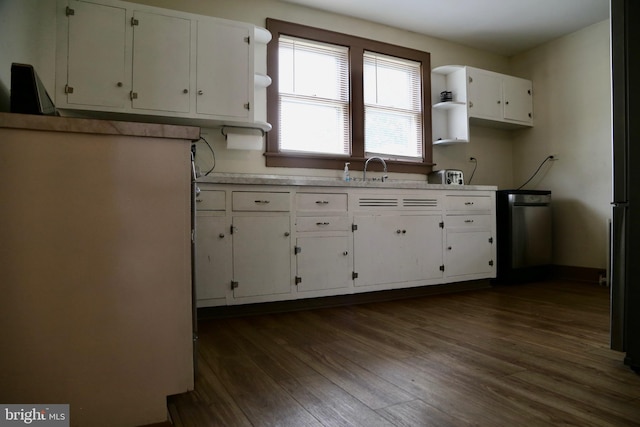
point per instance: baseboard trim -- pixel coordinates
(578, 274)
(338, 300)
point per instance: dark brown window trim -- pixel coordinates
(357, 46)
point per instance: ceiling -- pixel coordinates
(506, 27)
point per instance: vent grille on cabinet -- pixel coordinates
(377, 202)
(422, 203)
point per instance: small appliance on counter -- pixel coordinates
(446, 176)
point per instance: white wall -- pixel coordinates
(27, 35)
(572, 107)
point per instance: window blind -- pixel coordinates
(313, 83)
(393, 107)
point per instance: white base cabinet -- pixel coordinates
(259, 243)
(396, 249)
(261, 256)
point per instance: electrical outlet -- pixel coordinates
(554, 156)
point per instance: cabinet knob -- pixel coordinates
(221, 235)
(499, 101)
(448, 248)
(119, 84)
(200, 92)
(470, 104)
(185, 90)
(286, 234)
(345, 253)
(506, 102)
(404, 231)
(398, 231)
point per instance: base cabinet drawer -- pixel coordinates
(324, 223)
(256, 201)
(211, 200)
(321, 202)
(467, 221)
(469, 203)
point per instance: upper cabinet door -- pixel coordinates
(96, 55)
(484, 94)
(161, 62)
(223, 84)
(518, 102)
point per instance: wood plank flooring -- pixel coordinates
(524, 355)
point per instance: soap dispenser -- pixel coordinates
(345, 174)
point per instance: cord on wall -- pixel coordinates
(551, 157)
(475, 166)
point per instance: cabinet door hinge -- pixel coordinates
(441, 224)
(247, 106)
(234, 284)
(69, 12)
(247, 40)
(354, 227)
(490, 239)
(298, 280)
(68, 89)
(491, 263)
(134, 22)
(231, 228)
(297, 250)
(354, 275)
(470, 79)
(442, 267)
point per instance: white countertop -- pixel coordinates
(291, 180)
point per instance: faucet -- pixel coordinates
(384, 164)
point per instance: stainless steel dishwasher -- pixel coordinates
(524, 237)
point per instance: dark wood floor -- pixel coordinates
(524, 355)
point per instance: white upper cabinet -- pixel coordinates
(498, 97)
(101, 81)
(161, 62)
(129, 59)
(478, 96)
(518, 100)
(222, 51)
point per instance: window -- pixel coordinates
(338, 98)
(314, 88)
(392, 107)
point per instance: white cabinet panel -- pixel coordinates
(397, 248)
(468, 252)
(518, 104)
(213, 260)
(96, 64)
(161, 62)
(485, 94)
(324, 262)
(223, 51)
(261, 255)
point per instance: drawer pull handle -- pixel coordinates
(468, 220)
(322, 202)
(262, 202)
(468, 203)
(321, 224)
